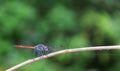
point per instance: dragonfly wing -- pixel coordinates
(54, 48)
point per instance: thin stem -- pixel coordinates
(63, 52)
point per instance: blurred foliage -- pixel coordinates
(70, 23)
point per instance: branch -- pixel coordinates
(63, 52)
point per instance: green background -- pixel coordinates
(70, 23)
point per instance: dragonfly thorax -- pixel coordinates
(41, 47)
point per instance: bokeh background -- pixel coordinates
(70, 23)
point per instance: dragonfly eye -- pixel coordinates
(46, 48)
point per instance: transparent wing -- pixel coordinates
(54, 48)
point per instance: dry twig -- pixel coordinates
(63, 52)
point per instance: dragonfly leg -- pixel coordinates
(35, 54)
(40, 53)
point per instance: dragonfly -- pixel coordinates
(39, 49)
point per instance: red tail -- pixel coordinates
(21, 46)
